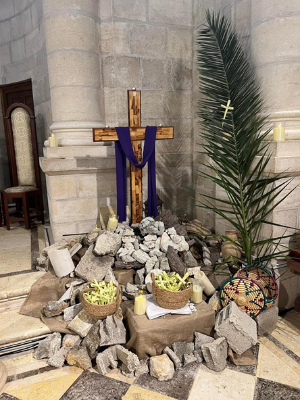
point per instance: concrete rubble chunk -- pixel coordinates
(150, 238)
(215, 354)
(198, 355)
(58, 359)
(91, 267)
(108, 243)
(150, 227)
(78, 356)
(164, 264)
(144, 248)
(81, 324)
(150, 264)
(247, 358)
(171, 231)
(106, 360)
(128, 232)
(126, 372)
(142, 369)
(188, 359)
(71, 340)
(267, 320)
(92, 340)
(128, 358)
(48, 347)
(161, 367)
(53, 308)
(194, 271)
(128, 239)
(112, 331)
(170, 353)
(90, 238)
(237, 327)
(189, 260)
(110, 276)
(148, 280)
(155, 252)
(214, 302)
(71, 312)
(75, 296)
(181, 348)
(139, 278)
(140, 256)
(201, 339)
(63, 244)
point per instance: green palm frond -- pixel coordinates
(235, 142)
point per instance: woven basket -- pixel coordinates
(171, 300)
(100, 312)
(264, 279)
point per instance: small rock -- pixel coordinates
(188, 359)
(267, 320)
(128, 358)
(126, 372)
(144, 248)
(171, 231)
(170, 353)
(150, 227)
(75, 296)
(155, 252)
(79, 357)
(214, 302)
(110, 277)
(215, 354)
(112, 331)
(107, 359)
(131, 288)
(108, 243)
(58, 359)
(150, 264)
(189, 260)
(142, 369)
(194, 271)
(90, 238)
(128, 239)
(136, 244)
(53, 308)
(92, 340)
(127, 259)
(201, 339)
(71, 312)
(198, 355)
(148, 280)
(161, 367)
(140, 256)
(181, 348)
(139, 276)
(164, 264)
(81, 324)
(91, 267)
(71, 340)
(48, 347)
(150, 238)
(128, 232)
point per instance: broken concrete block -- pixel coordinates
(237, 327)
(201, 339)
(150, 264)
(164, 264)
(198, 355)
(139, 276)
(110, 276)
(148, 279)
(79, 357)
(126, 372)
(92, 340)
(181, 348)
(53, 308)
(142, 369)
(71, 340)
(189, 260)
(144, 248)
(48, 347)
(81, 324)
(107, 359)
(188, 359)
(58, 359)
(90, 238)
(71, 312)
(140, 256)
(128, 358)
(161, 367)
(150, 227)
(107, 243)
(267, 320)
(215, 354)
(91, 267)
(247, 358)
(194, 271)
(112, 331)
(170, 353)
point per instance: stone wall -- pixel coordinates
(22, 56)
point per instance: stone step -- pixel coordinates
(15, 286)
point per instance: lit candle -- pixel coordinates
(197, 291)
(140, 303)
(206, 283)
(53, 141)
(279, 134)
(112, 222)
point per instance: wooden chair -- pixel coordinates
(23, 161)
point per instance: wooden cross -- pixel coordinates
(137, 134)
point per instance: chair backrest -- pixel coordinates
(21, 144)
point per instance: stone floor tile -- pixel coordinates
(15, 229)
(15, 327)
(116, 374)
(137, 393)
(15, 260)
(225, 385)
(94, 386)
(177, 388)
(275, 365)
(14, 241)
(6, 396)
(268, 390)
(46, 386)
(288, 334)
(18, 285)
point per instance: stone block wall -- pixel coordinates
(22, 57)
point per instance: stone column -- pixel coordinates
(275, 37)
(74, 70)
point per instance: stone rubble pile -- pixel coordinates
(153, 246)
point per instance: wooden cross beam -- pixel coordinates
(137, 134)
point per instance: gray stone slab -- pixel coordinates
(92, 267)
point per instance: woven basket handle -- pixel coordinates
(152, 277)
(119, 296)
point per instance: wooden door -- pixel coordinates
(20, 92)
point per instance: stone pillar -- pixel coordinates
(71, 30)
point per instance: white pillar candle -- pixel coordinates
(140, 304)
(207, 285)
(53, 141)
(197, 293)
(112, 222)
(279, 134)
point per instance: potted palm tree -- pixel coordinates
(233, 132)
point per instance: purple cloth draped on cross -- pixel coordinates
(124, 149)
